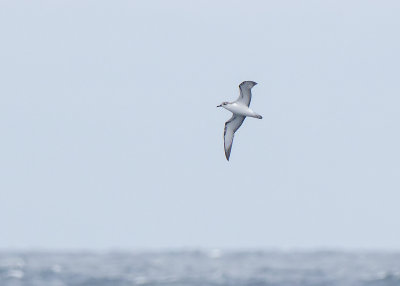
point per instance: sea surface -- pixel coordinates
(200, 268)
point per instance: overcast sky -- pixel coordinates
(110, 135)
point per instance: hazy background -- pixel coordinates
(110, 137)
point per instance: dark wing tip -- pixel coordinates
(227, 155)
(248, 83)
(227, 150)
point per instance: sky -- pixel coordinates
(111, 139)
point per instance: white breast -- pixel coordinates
(240, 109)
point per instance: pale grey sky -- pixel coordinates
(110, 137)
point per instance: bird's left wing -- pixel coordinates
(245, 92)
(231, 126)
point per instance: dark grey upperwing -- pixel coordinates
(231, 126)
(245, 92)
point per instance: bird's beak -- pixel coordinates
(219, 105)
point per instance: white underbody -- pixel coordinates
(240, 109)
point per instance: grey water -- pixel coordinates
(200, 268)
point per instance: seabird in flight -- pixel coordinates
(240, 109)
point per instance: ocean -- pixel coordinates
(200, 268)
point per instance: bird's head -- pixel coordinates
(223, 104)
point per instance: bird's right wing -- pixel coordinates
(231, 126)
(245, 92)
